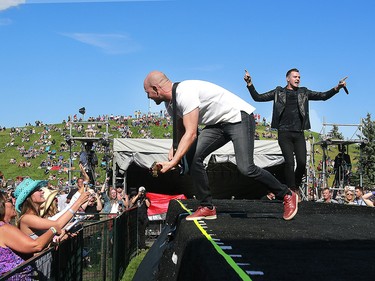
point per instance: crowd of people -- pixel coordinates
(34, 215)
(350, 195)
(44, 146)
(51, 153)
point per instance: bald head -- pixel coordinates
(155, 78)
(157, 86)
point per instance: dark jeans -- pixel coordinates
(293, 143)
(142, 225)
(242, 136)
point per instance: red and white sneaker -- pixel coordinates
(290, 206)
(203, 213)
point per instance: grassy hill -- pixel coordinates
(29, 146)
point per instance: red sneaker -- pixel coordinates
(203, 213)
(290, 206)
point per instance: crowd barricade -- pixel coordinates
(101, 250)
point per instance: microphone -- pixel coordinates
(345, 89)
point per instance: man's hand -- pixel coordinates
(155, 169)
(84, 197)
(166, 167)
(247, 78)
(161, 168)
(342, 84)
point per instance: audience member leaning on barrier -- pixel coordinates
(13, 240)
(29, 197)
(368, 198)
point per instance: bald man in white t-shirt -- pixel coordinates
(226, 118)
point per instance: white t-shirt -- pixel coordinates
(215, 103)
(67, 206)
(61, 201)
(114, 208)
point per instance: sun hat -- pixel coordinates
(24, 189)
(49, 195)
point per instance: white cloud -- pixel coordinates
(5, 22)
(109, 43)
(6, 4)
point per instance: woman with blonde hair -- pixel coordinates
(349, 195)
(49, 207)
(16, 246)
(29, 198)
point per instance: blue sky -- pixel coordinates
(58, 56)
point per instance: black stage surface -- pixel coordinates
(250, 241)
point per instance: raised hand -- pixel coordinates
(247, 78)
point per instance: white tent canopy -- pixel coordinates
(143, 152)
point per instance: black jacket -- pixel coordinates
(278, 96)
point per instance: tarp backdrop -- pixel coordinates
(159, 204)
(132, 159)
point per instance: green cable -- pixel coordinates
(229, 260)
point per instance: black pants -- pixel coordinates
(293, 144)
(142, 225)
(241, 134)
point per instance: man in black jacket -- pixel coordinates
(290, 117)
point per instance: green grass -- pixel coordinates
(133, 266)
(56, 132)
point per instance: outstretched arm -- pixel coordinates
(35, 222)
(269, 96)
(99, 205)
(85, 176)
(327, 95)
(190, 124)
(366, 198)
(18, 241)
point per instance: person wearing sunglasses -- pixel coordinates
(349, 196)
(29, 198)
(16, 246)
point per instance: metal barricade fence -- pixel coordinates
(67, 262)
(100, 251)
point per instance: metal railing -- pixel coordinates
(101, 250)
